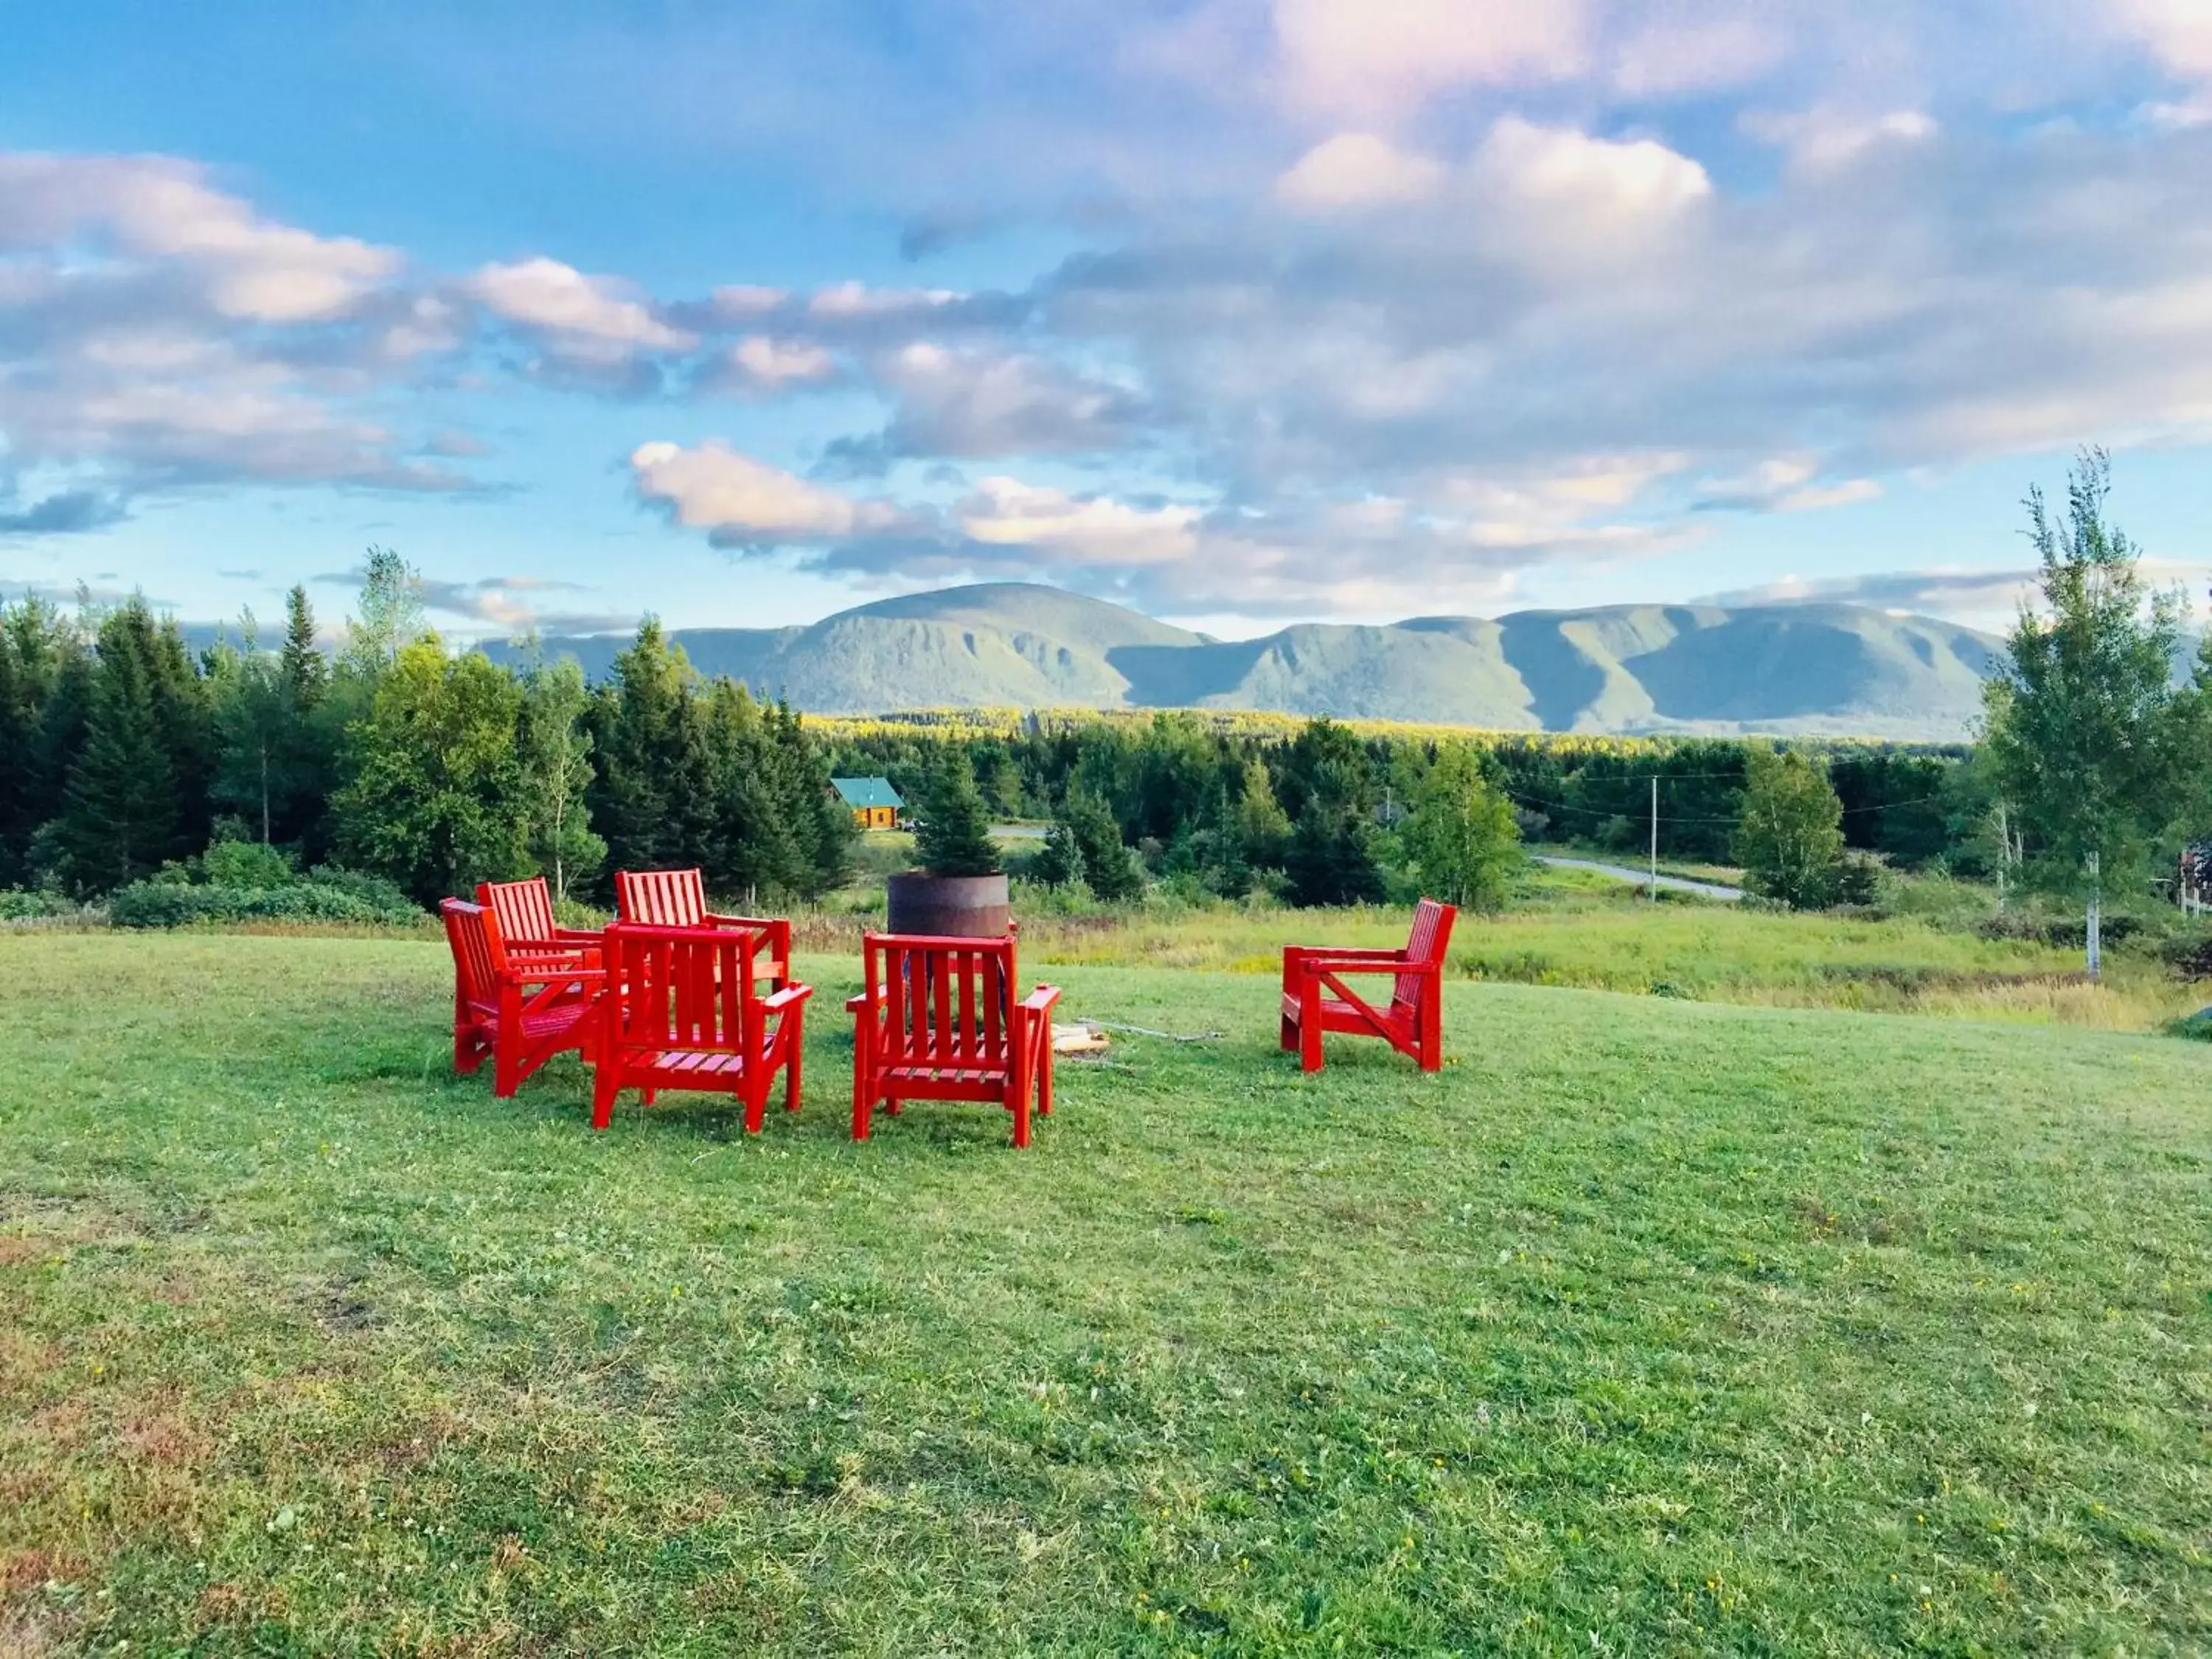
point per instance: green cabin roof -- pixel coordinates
(857, 793)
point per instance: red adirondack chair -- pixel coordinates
(1315, 998)
(677, 898)
(521, 1011)
(683, 1011)
(525, 910)
(938, 1021)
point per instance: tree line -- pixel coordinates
(131, 756)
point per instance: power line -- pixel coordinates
(1664, 817)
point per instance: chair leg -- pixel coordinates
(794, 1038)
(1022, 1112)
(1044, 1074)
(505, 1069)
(606, 1084)
(1310, 1027)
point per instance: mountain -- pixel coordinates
(1804, 668)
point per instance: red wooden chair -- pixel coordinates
(521, 1012)
(677, 898)
(525, 910)
(1315, 998)
(683, 1011)
(938, 1021)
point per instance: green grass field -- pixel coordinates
(1648, 1326)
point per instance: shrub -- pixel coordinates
(247, 864)
(376, 890)
(1860, 879)
(18, 905)
(163, 904)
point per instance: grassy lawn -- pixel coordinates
(1648, 1326)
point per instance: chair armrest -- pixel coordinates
(1041, 999)
(1338, 962)
(586, 936)
(1311, 952)
(758, 924)
(864, 1001)
(790, 997)
(521, 974)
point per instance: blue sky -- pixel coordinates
(1240, 310)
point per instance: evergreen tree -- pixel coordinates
(56, 658)
(1328, 760)
(752, 842)
(440, 802)
(19, 730)
(252, 730)
(1109, 869)
(1462, 833)
(186, 716)
(307, 751)
(299, 662)
(822, 829)
(556, 766)
(1228, 871)
(1331, 856)
(954, 836)
(1058, 862)
(643, 738)
(1790, 837)
(1263, 829)
(120, 818)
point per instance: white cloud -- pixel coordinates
(1675, 50)
(742, 302)
(857, 301)
(1788, 484)
(1382, 54)
(2177, 32)
(781, 364)
(1632, 179)
(1093, 531)
(251, 269)
(968, 401)
(597, 317)
(1829, 137)
(157, 333)
(742, 502)
(1357, 169)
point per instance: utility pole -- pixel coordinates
(1655, 838)
(2004, 852)
(2095, 940)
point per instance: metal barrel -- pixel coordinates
(963, 907)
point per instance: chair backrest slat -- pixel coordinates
(661, 898)
(525, 909)
(945, 1000)
(472, 934)
(684, 988)
(1424, 948)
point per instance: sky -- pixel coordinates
(1240, 312)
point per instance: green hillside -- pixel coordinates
(1785, 669)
